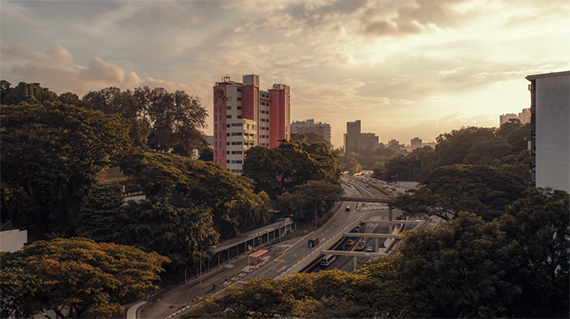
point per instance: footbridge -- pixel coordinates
(365, 199)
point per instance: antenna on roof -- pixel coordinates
(226, 78)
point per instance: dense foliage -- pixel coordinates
(449, 190)
(50, 156)
(516, 266)
(290, 164)
(75, 278)
(470, 146)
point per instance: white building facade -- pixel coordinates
(550, 129)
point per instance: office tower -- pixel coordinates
(310, 127)
(245, 116)
(550, 132)
(352, 138)
(416, 142)
(368, 142)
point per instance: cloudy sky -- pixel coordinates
(404, 68)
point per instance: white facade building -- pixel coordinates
(309, 126)
(550, 129)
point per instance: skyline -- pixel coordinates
(406, 69)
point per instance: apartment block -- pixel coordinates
(245, 116)
(310, 127)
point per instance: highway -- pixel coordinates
(281, 258)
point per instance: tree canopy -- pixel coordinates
(290, 164)
(50, 156)
(449, 190)
(75, 278)
(469, 146)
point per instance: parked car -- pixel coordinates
(347, 208)
(370, 249)
(350, 242)
(360, 246)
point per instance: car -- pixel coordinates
(347, 208)
(370, 249)
(360, 246)
(350, 242)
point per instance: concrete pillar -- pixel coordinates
(390, 227)
(376, 244)
(355, 262)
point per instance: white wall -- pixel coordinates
(13, 240)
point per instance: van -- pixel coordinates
(347, 208)
(327, 260)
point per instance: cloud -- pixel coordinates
(54, 69)
(386, 18)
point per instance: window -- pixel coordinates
(228, 98)
(229, 116)
(239, 89)
(227, 125)
(229, 107)
(239, 116)
(239, 98)
(239, 107)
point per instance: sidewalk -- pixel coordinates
(232, 271)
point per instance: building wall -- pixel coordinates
(245, 117)
(416, 142)
(368, 142)
(13, 240)
(264, 117)
(280, 113)
(550, 137)
(352, 137)
(309, 126)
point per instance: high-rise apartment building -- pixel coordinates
(550, 129)
(416, 142)
(310, 127)
(245, 116)
(523, 117)
(352, 137)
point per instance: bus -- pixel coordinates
(327, 260)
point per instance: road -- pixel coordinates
(281, 257)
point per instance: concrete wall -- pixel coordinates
(13, 240)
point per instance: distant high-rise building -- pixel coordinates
(507, 117)
(368, 142)
(352, 137)
(310, 127)
(550, 129)
(525, 116)
(245, 117)
(393, 142)
(416, 142)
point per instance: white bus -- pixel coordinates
(327, 260)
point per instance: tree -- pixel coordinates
(351, 165)
(538, 227)
(458, 270)
(31, 93)
(102, 216)
(76, 278)
(174, 226)
(290, 164)
(449, 190)
(50, 156)
(226, 194)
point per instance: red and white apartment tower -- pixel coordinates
(245, 116)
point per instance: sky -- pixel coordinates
(404, 68)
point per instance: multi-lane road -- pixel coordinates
(283, 258)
